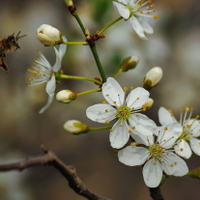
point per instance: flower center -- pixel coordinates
(188, 128)
(156, 150)
(123, 112)
(139, 7)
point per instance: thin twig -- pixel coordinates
(68, 171)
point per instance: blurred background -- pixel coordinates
(174, 46)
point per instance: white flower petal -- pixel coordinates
(182, 149)
(152, 173)
(174, 165)
(101, 113)
(49, 102)
(62, 48)
(133, 156)
(123, 1)
(119, 134)
(142, 139)
(131, 2)
(169, 135)
(43, 63)
(147, 28)
(142, 128)
(195, 127)
(137, 98)
(165, 117)
(195, 145)
(112, 92)
(51, 86)
(137, 27)
(59, 55)
(123, 10)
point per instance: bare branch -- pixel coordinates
(68, 171)
(156, 194)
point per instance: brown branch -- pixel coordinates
(156, 194)
(68, 171)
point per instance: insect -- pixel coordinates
(8, 45)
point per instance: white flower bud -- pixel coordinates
(149, 103)
(69, 2)
(66, 96)
(152, 78)
(129, 63)
(75, 127)
(48, 35)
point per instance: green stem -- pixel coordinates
(79, 22)
(89, 91)
(74, 43)
(117, 73)
(100, 128)
(109, 25)
(97, 60)
(92, 47)
(63, 76)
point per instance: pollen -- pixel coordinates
(125, 88)
(187, 109)
(155, 16)
(154, 163)
(181, 149)
(171, 165)
(144, 109)
(104, 102)
(107, 122)
(165, 128)
(106, 110)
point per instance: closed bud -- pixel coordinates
(48, 35)
(149, 103)
(152, 78)
(195, 173)
(129, 63)
(66, 96)
(75, 127)
(69, 2)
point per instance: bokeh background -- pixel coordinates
(175, 46)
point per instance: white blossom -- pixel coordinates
(188, 140)
(124, 110)
(157, 155)
(136, 11)
(44, 73)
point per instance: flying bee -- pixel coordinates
(8, 45)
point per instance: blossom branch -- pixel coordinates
(68, 171)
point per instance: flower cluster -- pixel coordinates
(188, 140)
(161, 150)
(140, 140)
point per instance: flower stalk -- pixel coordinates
(64, 76)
